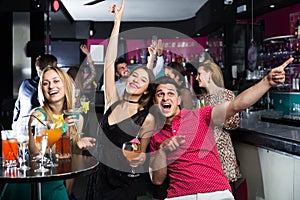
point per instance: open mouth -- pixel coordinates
(166, 107)
(53, 92)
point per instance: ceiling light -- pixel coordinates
(35, 4)
(92, 29)
(228, 2)
(272, 6)
(55, 5)
(242, 8)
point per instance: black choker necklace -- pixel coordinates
(130, 101)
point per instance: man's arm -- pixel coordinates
(158, 167)
(158, 163)
(251, 95)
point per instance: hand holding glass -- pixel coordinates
(154, 41)
(131, 150)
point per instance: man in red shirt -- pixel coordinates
(185, 150)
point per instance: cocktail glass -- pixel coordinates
(131, 150)
(43, 146)
(76, 114)
(23, 138)
(54, 135)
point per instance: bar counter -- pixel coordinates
(274, 136)
(269, 157)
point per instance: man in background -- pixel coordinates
(122, 72)
(28, 93)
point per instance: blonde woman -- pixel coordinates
(55, 92)
(210, 77)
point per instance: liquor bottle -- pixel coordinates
(297, 29)
(168, 57)
(297, 54)
(143, 53)
(122, 49)
(173, 57)
(137, 56)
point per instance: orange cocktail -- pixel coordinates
(53, 136)
(131, 154)
(10, 149)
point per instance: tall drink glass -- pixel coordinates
(23, 139)
(9, 148)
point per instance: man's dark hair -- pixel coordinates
(167, 80)
(44, 60)
(118, 61)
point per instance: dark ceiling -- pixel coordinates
(261, 6)
(211, 16)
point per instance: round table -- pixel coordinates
(67, 168)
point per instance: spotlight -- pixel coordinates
(92, 29)
(228, 2)
(35, 5)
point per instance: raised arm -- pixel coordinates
(90, 62)
(111, 94)
(156, 51)
(251, 95)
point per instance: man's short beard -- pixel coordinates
(124, 77)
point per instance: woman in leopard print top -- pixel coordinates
(210, 77)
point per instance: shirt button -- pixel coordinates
(174, 131)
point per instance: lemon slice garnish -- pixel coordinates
(135, 146)
(58, 120)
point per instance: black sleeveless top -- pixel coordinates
(113, 181)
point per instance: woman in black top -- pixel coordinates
(125, 118)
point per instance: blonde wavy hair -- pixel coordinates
(68, 87)
(217, 75)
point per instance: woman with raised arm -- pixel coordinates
(125, 119)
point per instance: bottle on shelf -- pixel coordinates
(295, 82)
(168, 57)
(137, 56)
(297, 54)
(122, 49)
(297, 29)
(143, 53)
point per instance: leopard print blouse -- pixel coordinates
(223, 140)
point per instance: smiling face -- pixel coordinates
(167, 100)
(137, 82)
(53, 87)
(122, 70)
(203, 77)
